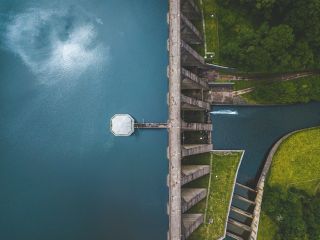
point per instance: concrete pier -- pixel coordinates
(239, 225)
(191, 196)
(250, 214)
(190, 223)
(193, 149)
(190, 32)
(193, 172)
(190, 57)
(190, 9)
(194, 104)
(246, 187)
(234, 236)
(192, 81)
(241, 212)
(241, 198)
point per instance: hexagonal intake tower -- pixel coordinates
(122, 125)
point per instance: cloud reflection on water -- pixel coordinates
(56, 45)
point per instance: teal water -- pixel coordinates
(256, 129)
(66, 68)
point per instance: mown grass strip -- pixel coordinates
(211, 27)
(297, 162)
(224, 168)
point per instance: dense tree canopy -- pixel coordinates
(270, 35)
(287, 92)
(296, 213)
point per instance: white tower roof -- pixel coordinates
(122, 125)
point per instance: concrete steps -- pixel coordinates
(239, 225)
(241, 198)
(196, 126)
(234, 236)
(246, 187)
(188, 103)
(241, 212)
(190, 222)
(193, 172)
(189, 32)
(189, 57)
(190, 9)
(193, 149)
(191, 196)
(190, 80)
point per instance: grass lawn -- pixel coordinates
(211, 27)
(224, 167)
(295, 164)
(269, 228)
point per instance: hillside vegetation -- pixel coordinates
(269, 35)
(282, 92)
(291, 203)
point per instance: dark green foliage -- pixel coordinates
(286, 92)
(294, 211)
(270, 35)
(312, 216)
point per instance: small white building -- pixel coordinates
(122, 125)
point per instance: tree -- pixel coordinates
(296, 213)
(279, 39)
(263, 4)
(311, 206)
(270, 35)
(302, 56)
(303, 17)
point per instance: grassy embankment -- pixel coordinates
(223, 172)
(291, 200)
(281, 92)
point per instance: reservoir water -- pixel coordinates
(256, 129)
(66, 68)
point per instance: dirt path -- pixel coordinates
(273, 77)
(242, 91)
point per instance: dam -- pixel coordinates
(68, 73)
(188, 114)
